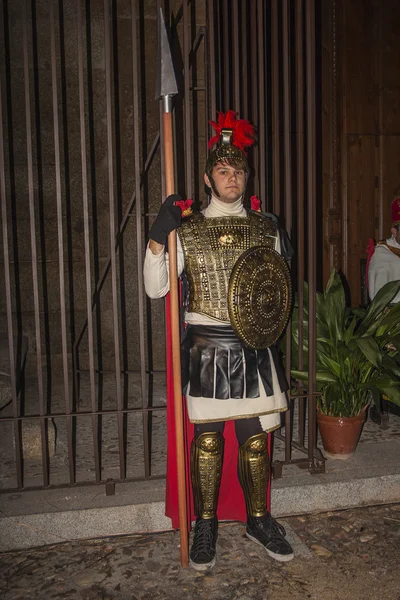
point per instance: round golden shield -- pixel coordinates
(259, 297)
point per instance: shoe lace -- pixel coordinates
(203, 536)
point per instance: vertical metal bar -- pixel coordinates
(187, 102)
(276, 173)
(343, 136)
(225, 68)
(261, 102)
(86, 233)
(139, 250)
(36, 102)
(220, 60)
(211, 46)
(63, 315)
(288, 185)
(245, 61)
(255, 108)
(333, 128)
(311, 222)
(7, 281)
(286, 115)
(110, 161)
(300, 191)
(236, 53)
(380, 132)
(32, 224)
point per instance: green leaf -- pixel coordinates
(392, 393)
(371, 350)
(380, 302)
(329, 363)
(335, 305)
(384, 380)
(322, 376)
(349, 333)
(392, 316)
(391, 367)
(327, 341)
(303, 375)
(359, 312)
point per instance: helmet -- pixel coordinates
(232, 137)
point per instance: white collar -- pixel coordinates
(216, 208)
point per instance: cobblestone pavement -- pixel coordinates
(352, 554)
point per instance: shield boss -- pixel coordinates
(259, 297)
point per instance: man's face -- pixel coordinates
(230, 182)
(396, 234)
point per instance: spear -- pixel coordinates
(166, 88)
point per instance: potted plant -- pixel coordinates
(357, 359)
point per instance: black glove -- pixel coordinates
(168, 219)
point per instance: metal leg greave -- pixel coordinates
(206, 468)
(253, 466)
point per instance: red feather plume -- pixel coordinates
(242, 130)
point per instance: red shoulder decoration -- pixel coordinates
(255, 204)
(185, 206)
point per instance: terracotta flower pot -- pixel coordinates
(340, 435)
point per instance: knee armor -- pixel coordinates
(206, 468)
(253, 469)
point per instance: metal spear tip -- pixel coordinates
(166, 82)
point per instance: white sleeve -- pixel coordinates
(156, 271)
(378, 273)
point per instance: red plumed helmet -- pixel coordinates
(241, 131)
(232, 138)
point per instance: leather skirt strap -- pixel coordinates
(218, 365)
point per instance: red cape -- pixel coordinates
(231, 506)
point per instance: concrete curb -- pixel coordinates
(52, 528)
(38, 529)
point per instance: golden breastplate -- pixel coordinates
(211, 247)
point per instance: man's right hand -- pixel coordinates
(168, 219)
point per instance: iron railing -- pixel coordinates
(81, 147)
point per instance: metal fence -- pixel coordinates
(81, 179)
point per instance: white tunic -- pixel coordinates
(200, 410)
(384, 266)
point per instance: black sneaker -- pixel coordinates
(269, 533)
(202, 553)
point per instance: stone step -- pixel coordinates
(37, 518)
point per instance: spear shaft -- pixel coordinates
(167, 88)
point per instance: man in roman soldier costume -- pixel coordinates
(237, 304)
(384, 258)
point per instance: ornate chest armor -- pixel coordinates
(211, 247)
